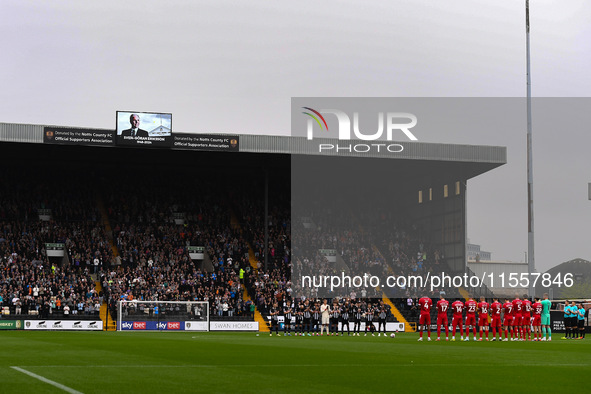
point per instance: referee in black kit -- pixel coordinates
(345, 319)
(357, 314)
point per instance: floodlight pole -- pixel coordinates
(530, 182)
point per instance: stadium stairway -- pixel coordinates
(408, 327)
(258, 317)
(108, 322)
(464, 293)
(263, 323)
(252, 259)
(234, 223)
(107, 225)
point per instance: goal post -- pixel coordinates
(162, 315)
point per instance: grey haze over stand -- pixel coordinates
(232, 67)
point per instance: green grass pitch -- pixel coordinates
(165, 362)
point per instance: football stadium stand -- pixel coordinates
(84, 227)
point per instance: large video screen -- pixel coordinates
(144, 128)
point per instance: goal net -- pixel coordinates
(163, 315)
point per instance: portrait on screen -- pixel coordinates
(143, 124)
(148, 129)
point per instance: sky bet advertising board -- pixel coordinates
(153, 325)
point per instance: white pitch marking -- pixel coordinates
(302, 365)
(45, 380)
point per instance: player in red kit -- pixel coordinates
(457, 307)
(537, 319)
(508, 319)
(517, 323)
(495, 318)
(425, 305)
(442, 307)
(470, 307)
(526, 318)
(483, 308)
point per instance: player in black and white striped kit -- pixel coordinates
(345, 319)
(307, 317)
(300, 320)
(357, 315)
(316, 319)
(334, 320)
(369, 315)
(287, 315)
(382, 320)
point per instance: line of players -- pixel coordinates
(574, 320)
(516, 317)
(313, 318)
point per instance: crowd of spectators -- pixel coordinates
(146, 255)
(153, 235)
(31, 282)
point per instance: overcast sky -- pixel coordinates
(232, 66)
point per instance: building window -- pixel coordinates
(420, 196)
(457, 188)
(445, 191)
(430, 194)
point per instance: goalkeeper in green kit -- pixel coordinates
(546, 304)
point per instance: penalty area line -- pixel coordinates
(48, 381)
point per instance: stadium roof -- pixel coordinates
(471, 160)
